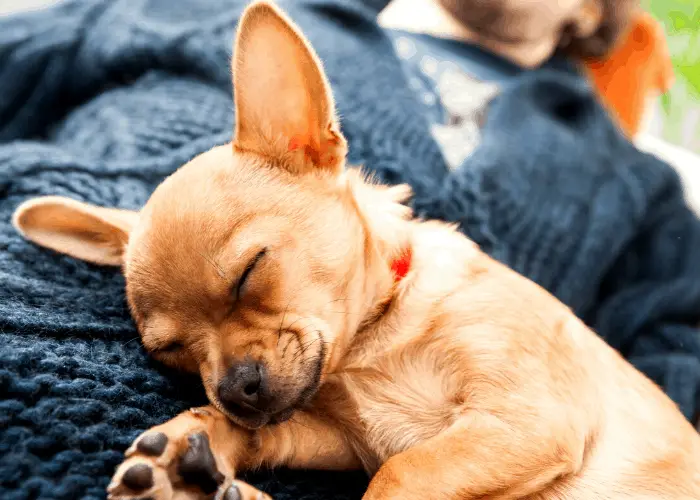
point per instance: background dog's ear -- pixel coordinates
(284, 106)
(87, 232)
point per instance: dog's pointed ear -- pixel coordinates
(284, 105)
(87, 232)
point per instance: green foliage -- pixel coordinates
(681, 21)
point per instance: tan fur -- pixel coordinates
(464, 380)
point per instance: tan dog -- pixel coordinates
(332, 331)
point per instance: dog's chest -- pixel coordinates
(397, 403)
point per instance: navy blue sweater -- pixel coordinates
(100, 99)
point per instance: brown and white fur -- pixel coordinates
(267, 260)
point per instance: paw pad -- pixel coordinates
(198, 466)
(138, 478)
(179, 465)
(230, 493)
(153, 444)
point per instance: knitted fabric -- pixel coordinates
(100, 99)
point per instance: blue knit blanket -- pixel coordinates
(100, 99)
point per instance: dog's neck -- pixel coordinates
(387, 232)
(388, 260)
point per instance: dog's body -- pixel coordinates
(333, 331)
(452, 381)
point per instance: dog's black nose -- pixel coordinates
(241, 386)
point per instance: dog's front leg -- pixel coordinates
(478, 457)
(199, 452)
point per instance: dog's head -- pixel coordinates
(255, 263)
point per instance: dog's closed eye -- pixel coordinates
(174, 354)
(169, 348)
(239, 289)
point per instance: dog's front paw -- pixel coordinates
(177, 461)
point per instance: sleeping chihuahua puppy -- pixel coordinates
(333, 331)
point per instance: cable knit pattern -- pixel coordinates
(101, 99)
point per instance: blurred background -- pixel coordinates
(678, 118)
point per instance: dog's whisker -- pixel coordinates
(289, 342)
(299, 352)
(305, 346)
(303, 318)
(284, 315)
